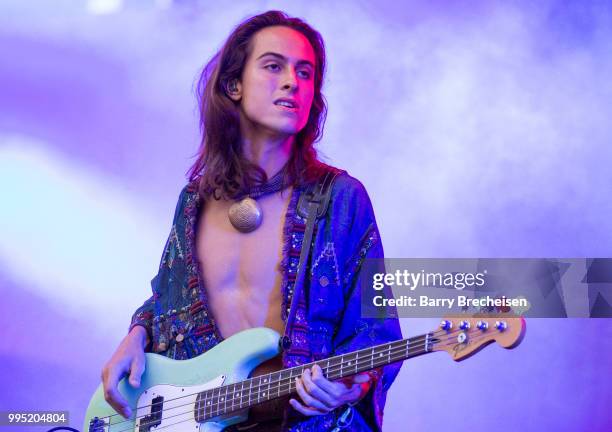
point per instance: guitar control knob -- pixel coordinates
(446, 325)
(482, 325)
(501, 325)
(464, 325)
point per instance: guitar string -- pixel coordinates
(399, 345)
(283, 383)
(330, 370)
(297, 367)
(291, 383)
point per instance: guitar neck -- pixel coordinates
(245, 394)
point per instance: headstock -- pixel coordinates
(463, 336)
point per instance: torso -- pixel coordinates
(241, 272)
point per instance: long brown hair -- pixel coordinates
(221, 167)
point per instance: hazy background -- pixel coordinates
(479, 129)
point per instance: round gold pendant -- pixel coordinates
(245, 215)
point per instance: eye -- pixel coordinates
(304, 74)
(273, 67)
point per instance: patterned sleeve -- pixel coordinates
(356, 332)
(144, 317)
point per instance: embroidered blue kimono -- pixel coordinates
(328, 319)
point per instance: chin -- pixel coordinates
(288, 128)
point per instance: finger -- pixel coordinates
(330, 387)
(136, 370)
(355, 393)
(304, 409)
(111, 393)
(309, 400)
(361, 378)
(315, 390)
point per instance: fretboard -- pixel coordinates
(234, 397)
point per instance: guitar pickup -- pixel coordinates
(154, 419)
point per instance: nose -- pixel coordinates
(290, 81)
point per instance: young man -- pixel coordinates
(231, 257)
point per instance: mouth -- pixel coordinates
(286, 104)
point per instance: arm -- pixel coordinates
(356, 332)
(350, 235)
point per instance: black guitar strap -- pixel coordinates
(312, 205)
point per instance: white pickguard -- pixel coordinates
(179, 405)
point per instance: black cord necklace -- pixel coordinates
(245, 214)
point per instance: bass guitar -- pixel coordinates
(212, 391)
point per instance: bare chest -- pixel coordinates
(241, 272)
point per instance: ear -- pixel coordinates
(234, 90)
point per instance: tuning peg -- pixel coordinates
(462, 337)
(464, 325)
(501, 325)
(482, 325)
(446, 325)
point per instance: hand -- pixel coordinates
(320, 396)
(128, 358)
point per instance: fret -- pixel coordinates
(258, 387)
(278, 385)
(240, 394)
(389, 355)
(249, 394)
(341, 365)
(225, 401)
(231, 395)
(217, 401)
(349, 363)
(286, 374)
(372, 359)
(266, 380)
(198, 406)
(207, 406)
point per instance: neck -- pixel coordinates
(262, 388)
(269, 150)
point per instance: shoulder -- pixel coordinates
(350, 207)
(187, 200)
(344, 184)
(349, 191)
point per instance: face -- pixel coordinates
(277, 85)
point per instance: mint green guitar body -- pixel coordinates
(179, 382)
